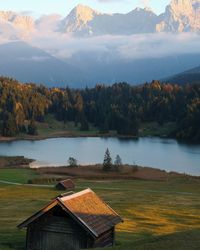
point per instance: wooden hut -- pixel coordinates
(78, 221)
(65, 185)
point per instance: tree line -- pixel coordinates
(108, 164)
(120, 107)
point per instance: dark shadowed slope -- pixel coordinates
(30, 64)
(189, 76)
(102, 68)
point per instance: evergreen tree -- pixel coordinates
(84, 124)
(117, 163)
(72, 162)
(120, 107)
(32, 128)
(104, 129)
(9, 127)
(107, 162)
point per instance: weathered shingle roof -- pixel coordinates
(67, 183)
(88, 210)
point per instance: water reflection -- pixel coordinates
(161, 153)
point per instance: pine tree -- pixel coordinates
(9, 127)
(84, 124)
(117, 163)
(107, 162)
(32, 128)
(104, 128)
(72, 162)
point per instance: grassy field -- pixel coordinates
(17, 175)
(52, 126)
(157, 215)
(154, 129)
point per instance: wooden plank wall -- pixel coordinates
(105, 240)
(54, 232)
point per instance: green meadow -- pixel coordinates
(156, 214)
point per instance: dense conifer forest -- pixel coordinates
(120, 107)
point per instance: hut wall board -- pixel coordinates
(53, 232)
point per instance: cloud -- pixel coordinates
(48, 37)
(48, 22)
(35, 58)
(108, 1)
(128, 47)
(7, 32)
(160, 45)
(145, 3)
(140, 2)
(26, 13)
(132, 47)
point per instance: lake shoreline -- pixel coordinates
(126, 172)
(143, 151)
(66, 135)
(93, 171)
(88, 135)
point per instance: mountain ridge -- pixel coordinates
(179, 16)
(186, 77)
(107, 49)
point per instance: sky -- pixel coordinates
(63, 7)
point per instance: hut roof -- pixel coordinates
(67, 183)
(86, 208)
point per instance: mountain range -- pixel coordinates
(179, 16)
(88, 47)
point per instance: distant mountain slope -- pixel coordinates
(100, 70)
(29, 64)
(189, 76)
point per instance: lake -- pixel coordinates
(166, 154)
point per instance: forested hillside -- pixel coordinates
(119, 107)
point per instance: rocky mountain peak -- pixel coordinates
(19, 21)
(138, 9)
(180, 16)
(83, 13)
(181, 7)
(79, 17)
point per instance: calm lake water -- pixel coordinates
(165, 154)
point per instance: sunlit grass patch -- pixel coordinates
(153, 212)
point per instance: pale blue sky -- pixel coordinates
(63, 7)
